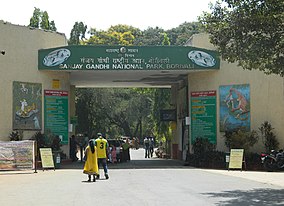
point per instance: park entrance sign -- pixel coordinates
(128, 58)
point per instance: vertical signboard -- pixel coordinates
(56, 113)
(203, 115)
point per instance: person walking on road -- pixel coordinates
(91, 161)
(102, 148)
(73, 148)
(147, 147)
(151, 146)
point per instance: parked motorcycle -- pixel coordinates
(273, 161)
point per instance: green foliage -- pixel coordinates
(16, 135)
(40, 19)
(249, 32)
(201, 146)
(268, 137)
(113, 111)
(44, 24)
(150, 37)
(240, 139)
(181, 34)
(35, 19)
(166, 40)
(47, 140)
(115, 35)
(205, 155)
(77, 33)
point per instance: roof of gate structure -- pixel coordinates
(127, 66)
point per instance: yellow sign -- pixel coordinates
(46, 158)
(55, 84)
(236, 159)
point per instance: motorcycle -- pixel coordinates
(273, 161)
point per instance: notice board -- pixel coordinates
(46, 158)
(56, 113)
(203, 116)
(236, 158)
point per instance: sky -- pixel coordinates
(102, 14)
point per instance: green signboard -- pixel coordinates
(127, 58)
(56, 113)
(203, 115)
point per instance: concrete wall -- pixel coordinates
(266, 92)
(20, 63)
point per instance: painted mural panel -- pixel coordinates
(234, 107)
(27, 106)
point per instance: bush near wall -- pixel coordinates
(205, 156)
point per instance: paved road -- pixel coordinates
(140, 182)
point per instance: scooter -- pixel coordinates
(273, 161)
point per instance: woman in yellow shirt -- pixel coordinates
(91, 161)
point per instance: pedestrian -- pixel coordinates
(86, 140)
(146, 147)
(113, 154)
(73, 149)
(102, 148)
(91, 161)
(151, 146)
(126, 152)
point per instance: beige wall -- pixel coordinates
(266, 92)
(21, 45)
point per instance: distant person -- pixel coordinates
(91, 161)
(151, 146)
(126, 152)
(113, 154)
(147, 147)
(86, 140)
(73, 149)
(102, 148)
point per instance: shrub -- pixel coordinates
(268, 137)
(240, 139)
(16, 135)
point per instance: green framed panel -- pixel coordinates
(56, 113)
(203, 116)
(127, 58)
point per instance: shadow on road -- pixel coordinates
(153, 163)
(256, 197)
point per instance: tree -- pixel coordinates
(40, 19)
(35, 19)
(115, 35)
(180, 35)
(150, 37)
(161, 101)
(166, 40)
(249, 32)
(268, 137)
(77, 33)
(44, 24)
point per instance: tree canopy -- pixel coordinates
(77, 33)
(249, 32)
(40, 19)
